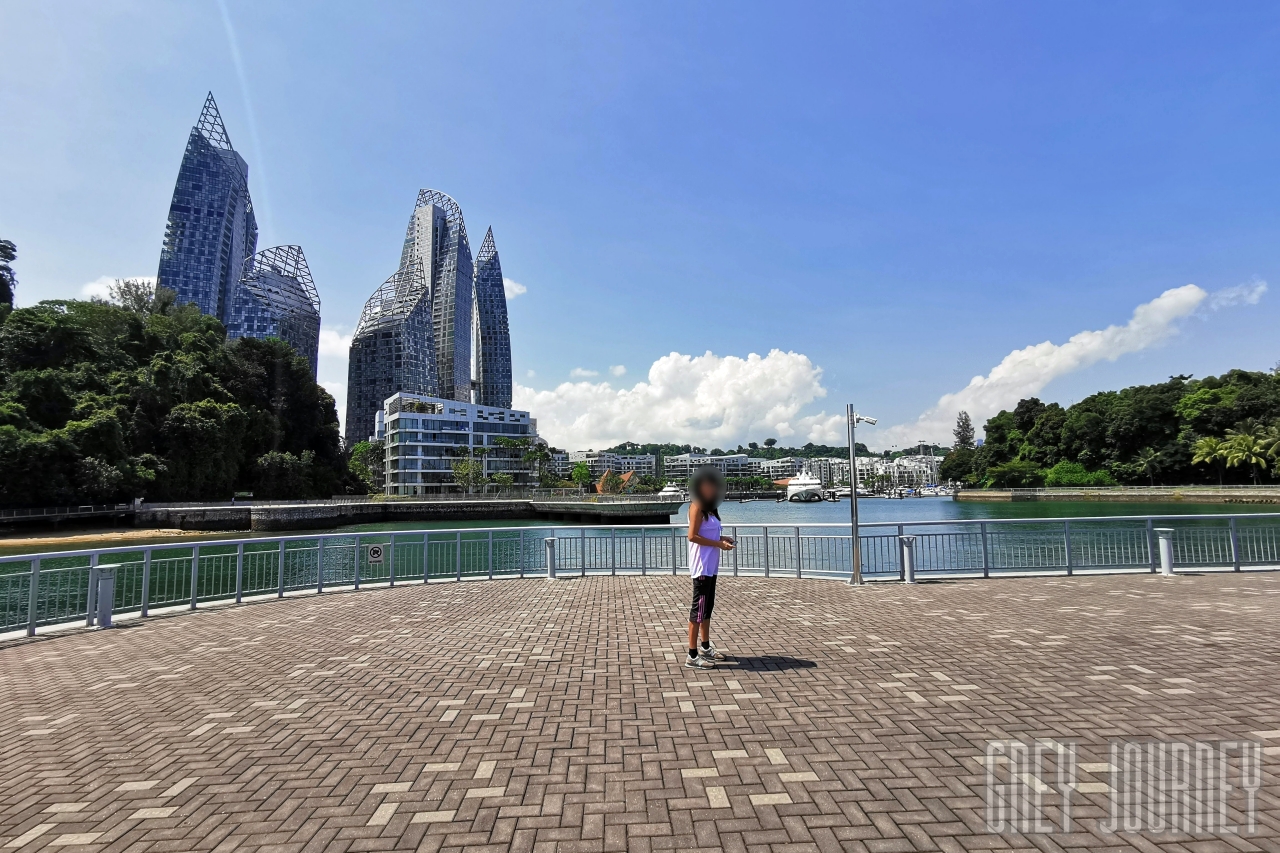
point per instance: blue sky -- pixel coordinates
(903, 194)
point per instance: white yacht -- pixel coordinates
(804, 487)
(671, 492)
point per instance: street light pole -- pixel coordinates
(855, 577)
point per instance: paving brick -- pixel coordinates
(530, 716)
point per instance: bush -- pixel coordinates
(1074, 474)
(1015, 475)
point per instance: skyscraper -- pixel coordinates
(415, 331)
(211, 228)
(493, 337)
(276, 298)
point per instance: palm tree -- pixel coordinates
(1246, 448)
(1271, 444)
(1148, 461)
(1208, 450)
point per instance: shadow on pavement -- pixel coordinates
(758, 663)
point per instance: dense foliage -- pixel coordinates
(104, 403)
(1184, 431)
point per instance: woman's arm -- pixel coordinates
(695, 525)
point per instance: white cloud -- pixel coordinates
(708, 400)
(583, 373)
(513, 288)
(530, 374)
(100, 288)
(618, 370)
(334, 343)
(1023, 373)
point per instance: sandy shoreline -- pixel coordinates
(101, 538)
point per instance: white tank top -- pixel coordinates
(704, 561)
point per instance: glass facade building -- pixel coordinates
(211, 228)
(493, 337)
(276, 298)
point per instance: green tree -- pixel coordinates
(468, 473)
(504, 479)
(367, 465)
(8, 281)
(581, 475)
(611, 483)
(770, 442)
(1246, 448)
(1148, 462)
(1210, 450)
(957, 465)
(963, 432)
(1018, 474)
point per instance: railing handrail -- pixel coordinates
(551, 527)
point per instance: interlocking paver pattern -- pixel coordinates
(556, 715)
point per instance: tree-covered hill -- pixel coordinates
(1181, 432)
(101, 402)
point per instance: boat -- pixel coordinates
(672, 492)
(803, 488)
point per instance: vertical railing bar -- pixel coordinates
(146, 582)
(520, 562)
(1151, 544)
(280, 584)
(674, 539)
(33, 598)
(734, 534)
(195, 575)
(240, 573)
(1235, 546)
(320, 563)
(582, 547)
(644, 551)
(798, 561)
(613, 550)
(1066, 540)
(358, 563)
(766, 551)
(91, 597)
(490, 555)
(458, 557)
(391, 557)
(902, 569)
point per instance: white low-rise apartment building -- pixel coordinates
(424, 436)
(678, 469)
(600, 461)
(829, 470)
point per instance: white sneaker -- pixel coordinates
(699, 662)
(710, 653)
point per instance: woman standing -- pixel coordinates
(706, 490)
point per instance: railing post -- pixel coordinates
(1152, 550)
(613, 550)
(91, 597)
(520, 562)
(320, 563)
(766, 552)
(106, 595)
(1066, 540)
(902, 576)
(986, 555)
(550, 544)
(195, 575)
(490, 555)
(146, 582)
(582, 549)
(907, 553)
(1235, 546)
(33, 598)
(644, 551)
(391, 558)
(735, 550)
(458, 564)
(280, 583)
(674, 539)
(799, 560)
(359, 550)
(239, 573)
(1166, 550)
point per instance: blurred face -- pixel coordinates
(707, 491)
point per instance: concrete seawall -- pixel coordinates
(1156, 494)
(325, 516)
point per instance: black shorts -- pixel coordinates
(704, 599)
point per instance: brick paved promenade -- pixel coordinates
(536, 715)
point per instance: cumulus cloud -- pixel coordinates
(583, 373)
(100, 288)
(513, 288)
(1024, 372)
(334, 343)
(618, 370)
(707, 400)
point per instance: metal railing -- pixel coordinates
(46, 589)
(64, 511)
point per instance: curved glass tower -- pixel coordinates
(211, 228)
(437, 237)
(493, 337)
(276, 298)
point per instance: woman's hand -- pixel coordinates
(726, 543)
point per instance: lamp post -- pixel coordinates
(854, 418)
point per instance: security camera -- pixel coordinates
(871, 421)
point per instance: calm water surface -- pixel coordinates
(735, 513)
